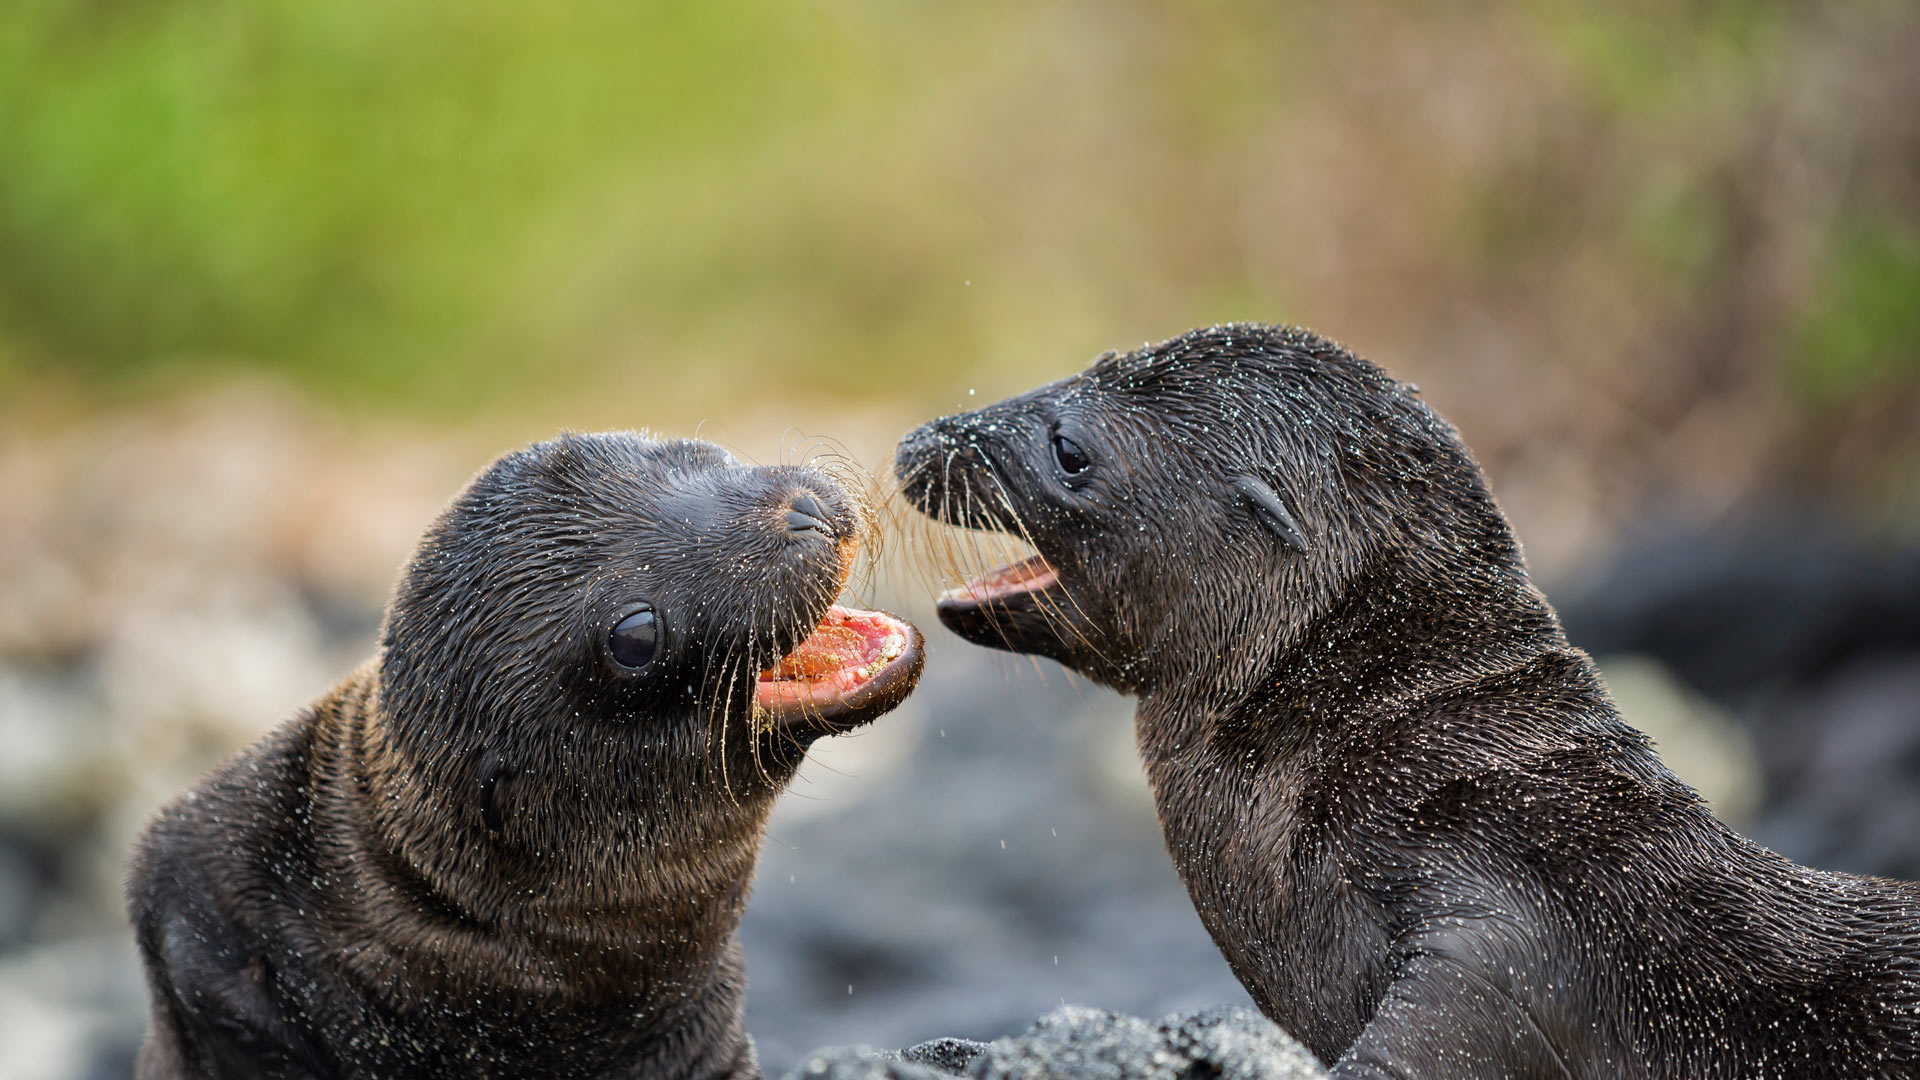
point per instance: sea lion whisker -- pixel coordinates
(948, 551)
(1043, 599)
(910, 530)
(719, 718)
(973, 538)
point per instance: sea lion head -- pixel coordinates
(1194, 504)
(607, 657)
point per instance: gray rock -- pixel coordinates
(865, 1063)
(948, 1055)
(1228, 1042)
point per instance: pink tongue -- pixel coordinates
(827, 650)
(1028, 575)
(836, 659)
(842, 654)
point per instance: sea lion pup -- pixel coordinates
(1404, 805)
(517, 842)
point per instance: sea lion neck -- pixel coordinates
(1411, 622)
(609, 856)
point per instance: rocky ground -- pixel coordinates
(1226, 1043)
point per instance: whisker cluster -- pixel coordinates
(988, 536)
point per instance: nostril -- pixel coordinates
(805, 514)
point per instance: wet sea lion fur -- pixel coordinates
(517, 842)
(1403, 803)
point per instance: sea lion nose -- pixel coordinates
(932, 437)
(805, 514)
(922, 448)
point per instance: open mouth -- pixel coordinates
(1022, 607)
(1028, 576)
(853, 667)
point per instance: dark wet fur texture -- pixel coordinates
(1405, 807)
(489, 852)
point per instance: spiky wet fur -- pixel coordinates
(1404, 805)
(488, 851)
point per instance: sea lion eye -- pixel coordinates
(1068, 453)
(633, 639)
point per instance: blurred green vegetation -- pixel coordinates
(1861, 333)
(369, 192)
(1647, 58)
(439, 208)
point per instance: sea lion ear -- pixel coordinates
(1271, 512)
(496, 778)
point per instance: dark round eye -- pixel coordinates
(633, 640)
(1069, 455)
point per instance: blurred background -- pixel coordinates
(276, 277)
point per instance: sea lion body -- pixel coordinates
(518, 841)
(1403, 804)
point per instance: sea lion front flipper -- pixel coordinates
(222, 1017)
(1450, 1017)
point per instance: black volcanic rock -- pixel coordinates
(1224, 1043)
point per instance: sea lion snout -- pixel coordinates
(949, 469)
(942, 453)
(921, 444)
(917, 462)
(801, 503)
